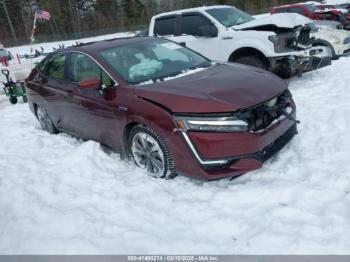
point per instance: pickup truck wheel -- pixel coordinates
(252, 61)
(150, 152)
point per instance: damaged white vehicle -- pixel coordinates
(337, 40)
(279, 43)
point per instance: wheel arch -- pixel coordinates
(322, 42)
(248, 51)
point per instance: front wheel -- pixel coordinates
(45, 120)
(252, 61)
(150, 152)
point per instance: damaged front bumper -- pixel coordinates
(303, 61)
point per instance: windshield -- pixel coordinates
(312, 8)
(154, 59)
(230, 16)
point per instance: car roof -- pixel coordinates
(95, 47)
(201, 8)
(294, 5)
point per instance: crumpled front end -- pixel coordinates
(299, 56)
(269, 127)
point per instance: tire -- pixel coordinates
(25, 99)
(45, 120)
(150, 152)
(284, 73)
(252, 61)
(13, 100)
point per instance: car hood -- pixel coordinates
(283, 20)
(218, 89)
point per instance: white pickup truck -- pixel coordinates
(278, 43)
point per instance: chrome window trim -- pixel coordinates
(99, 64)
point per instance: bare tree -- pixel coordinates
(9, 21)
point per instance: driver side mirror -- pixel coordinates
(209, 30)
(90, 83)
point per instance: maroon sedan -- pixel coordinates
(171, 109)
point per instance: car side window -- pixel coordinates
(195, 24)
(82, 67)
(55, 67)
(165, 26)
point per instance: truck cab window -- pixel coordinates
(196, 25)
(165, 26)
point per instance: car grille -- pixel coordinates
(262, 116)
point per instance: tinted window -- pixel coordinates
(55, 67)
(195, 25)
(165, 26)
(83, 67)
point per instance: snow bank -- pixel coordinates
(61, 195)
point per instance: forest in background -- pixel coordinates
(71, 19)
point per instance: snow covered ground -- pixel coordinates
(61, 195)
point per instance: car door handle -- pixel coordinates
(70, 92)
(183, 44)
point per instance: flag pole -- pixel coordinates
(32, 38)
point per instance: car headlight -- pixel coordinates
(346, 41)
(212, 124)
(280, 42)
(334, 39)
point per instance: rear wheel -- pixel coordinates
(252, 61)
(45, 120)
(150, 152)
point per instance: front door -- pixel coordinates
(95, 115)
(198, 33)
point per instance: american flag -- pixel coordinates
(40, 14)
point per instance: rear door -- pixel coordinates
(51, 85)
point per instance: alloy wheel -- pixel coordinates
(148, 154)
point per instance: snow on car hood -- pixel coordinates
(220, 88)
(282, 20)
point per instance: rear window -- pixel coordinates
(165, 26)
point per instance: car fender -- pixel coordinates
(246, 39)
(145, 112)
